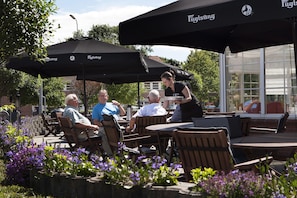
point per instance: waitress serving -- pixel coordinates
(189, 105)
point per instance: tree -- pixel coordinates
(24, 27)
(9, 80)
(205, 66)
(92, 90)
(124, 93)
(105, 33)
(52, 89)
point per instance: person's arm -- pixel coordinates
(131, 125)
(97, 122)
(122, 110)
(186, 92)
(165, 104)
(86, 126)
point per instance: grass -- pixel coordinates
(13, 191)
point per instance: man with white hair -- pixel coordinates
(152, 109)
(80, 122)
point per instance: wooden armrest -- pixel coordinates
(136, 138)
(128, 135)
(251, 165)
(86, 131)
(262, 130)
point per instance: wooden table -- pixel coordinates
(166, 131)
(273, 144)
(168, 128)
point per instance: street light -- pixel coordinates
(75, 21)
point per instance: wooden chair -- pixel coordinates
(158, 141)
(114, 136)
(92, 144)
(281, 126)
(245, 125)
(208, 149)
(4, 117)
(51, 125)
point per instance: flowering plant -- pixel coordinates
(25, 158)
(235, 184)
(62, 161)
(127, 172)
(56, 161)
(80, 165)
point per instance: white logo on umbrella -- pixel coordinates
(72, 58)
(246, 10)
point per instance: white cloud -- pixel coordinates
(112, 16)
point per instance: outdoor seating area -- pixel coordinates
(200, 146)
(187, 99)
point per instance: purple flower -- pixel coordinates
(135, 177)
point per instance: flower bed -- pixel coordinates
(61, 173)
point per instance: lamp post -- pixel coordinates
(75, 21)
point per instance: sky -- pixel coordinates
(111, 12)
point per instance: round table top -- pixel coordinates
(169, 127)
(266, 141)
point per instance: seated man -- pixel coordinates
(152, 109)
(80, 122)
(103, 107)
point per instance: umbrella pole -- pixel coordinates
(295, 44)
(85, 92)
(138, 94)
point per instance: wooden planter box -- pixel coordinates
(64, 186)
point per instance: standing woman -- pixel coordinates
(189, 105)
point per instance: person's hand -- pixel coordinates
(128, 129)
(95, 127)
(116, 103)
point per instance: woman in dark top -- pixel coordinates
(189, 105)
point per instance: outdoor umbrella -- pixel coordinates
(81, 57)
(215, 24)
(155, 69)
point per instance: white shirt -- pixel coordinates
(153, 109)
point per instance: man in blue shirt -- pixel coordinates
(109, 108)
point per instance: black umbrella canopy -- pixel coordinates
(215, 24)
(81, 56)
(155, 69)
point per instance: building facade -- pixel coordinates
(260, 83)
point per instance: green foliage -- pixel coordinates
(165, 176)
(124, 93)
(9, 80)
(205, 66)
(201, 174)
(28, 90)
(105, 33)
(10, 107)
(52, 89)
(13, 190)
(24, 26)
(92, 89)
(55, 162)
